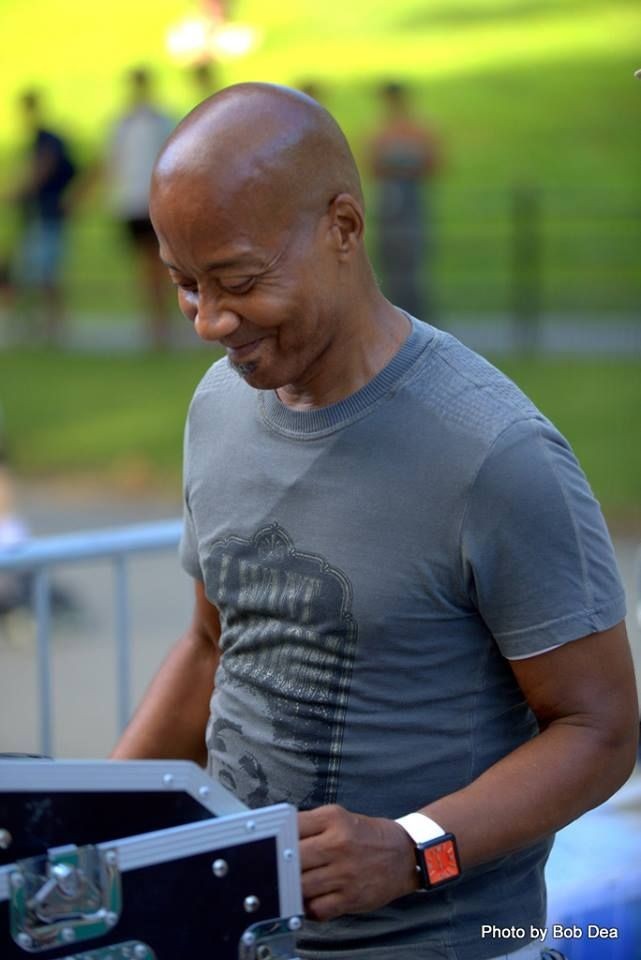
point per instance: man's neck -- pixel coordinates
(361, 358)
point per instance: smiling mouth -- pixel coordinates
(243, 351)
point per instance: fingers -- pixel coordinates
(351, 863)
(314, 822)
(326, 908)
(327, 894)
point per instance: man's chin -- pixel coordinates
(252, 374)
(243, 369)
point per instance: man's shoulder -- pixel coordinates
(221, 403)
(142, 118)
(466, 394)
(217, 376)
(221, 385)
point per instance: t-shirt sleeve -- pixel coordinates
(188, 547)
(537, 558)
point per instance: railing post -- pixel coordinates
(42, 607)
(35, 558)
(123, 646)
(637, 587)
(527, 267)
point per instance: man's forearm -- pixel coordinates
(534, 791)
(171, 720)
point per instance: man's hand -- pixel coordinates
(352, 863)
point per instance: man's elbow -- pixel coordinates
(617, 749)
(630, 749)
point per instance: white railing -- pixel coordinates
(38, 555)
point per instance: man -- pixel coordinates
(133, 146)
(403, 584)
(405, 156)
(42, 210)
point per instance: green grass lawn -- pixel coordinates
(118, 420)
(113, 419)
(522, 92)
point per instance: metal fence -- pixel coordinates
(506, 267)
(522, 251)
(36, 558)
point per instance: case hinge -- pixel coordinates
(69, 895)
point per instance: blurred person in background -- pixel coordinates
(404, 156)
(8, 247)
(204, 79)
(132, 148)
(311, 88)
(41, 214)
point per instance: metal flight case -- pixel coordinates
(143, 860)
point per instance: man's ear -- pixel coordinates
(347, 224)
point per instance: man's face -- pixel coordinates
(261, 282)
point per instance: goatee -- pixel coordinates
(243, 369)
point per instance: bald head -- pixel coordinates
(258, 140)
(257, 205)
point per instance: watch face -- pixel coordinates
(441, 861)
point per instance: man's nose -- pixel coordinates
(214, 320)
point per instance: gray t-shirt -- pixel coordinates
(374, 563)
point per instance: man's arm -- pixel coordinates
(34, 175)
(171, 720)
(584, 697)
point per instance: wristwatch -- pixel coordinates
(437, 859)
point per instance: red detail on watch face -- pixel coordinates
(441, 862)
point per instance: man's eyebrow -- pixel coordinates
(240, 261)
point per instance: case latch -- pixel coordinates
(270, 940)
(69, 895)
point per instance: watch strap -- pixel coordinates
(420, 828)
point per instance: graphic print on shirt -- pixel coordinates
(288, 644)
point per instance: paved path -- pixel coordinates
(84, 673)
(495, 334)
